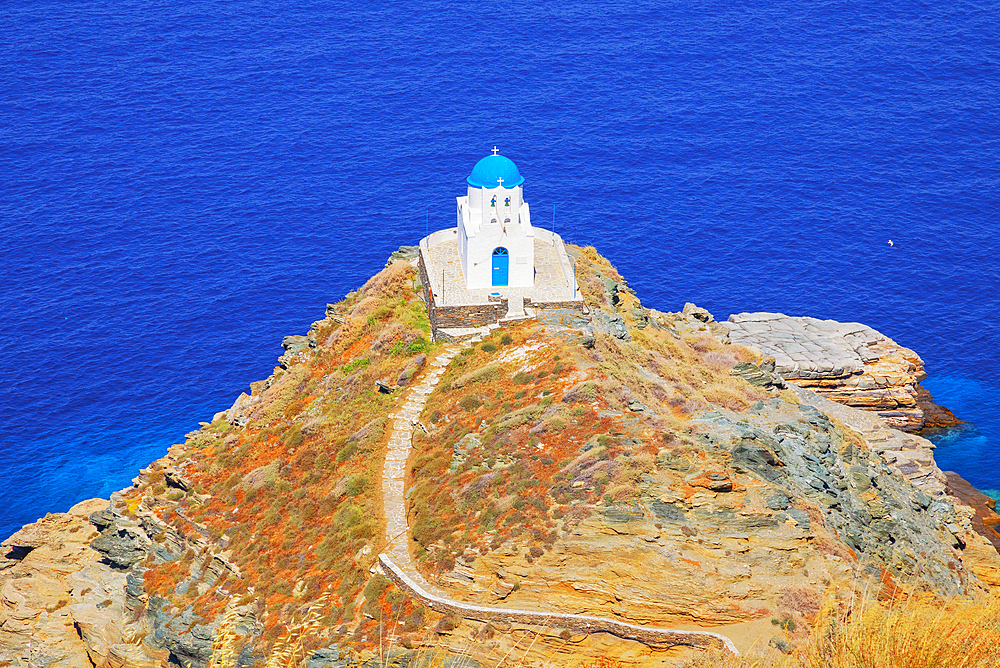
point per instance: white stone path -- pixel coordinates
(398, 566)
(397, 530)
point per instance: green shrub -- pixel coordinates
(356, 485)
(346, 452)
(322, 461)
(348, 516)
(583, 392)
(488, 347)
(354, 365)
(521, 378)
(470, 402)
(293, 437)
(788, 624)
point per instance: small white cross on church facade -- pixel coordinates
(500, 181)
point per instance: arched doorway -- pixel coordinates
(501, 265)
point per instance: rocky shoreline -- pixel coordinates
(849, 363)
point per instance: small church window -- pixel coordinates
(493, 202)
(507, 203)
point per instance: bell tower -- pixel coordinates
(496, 243)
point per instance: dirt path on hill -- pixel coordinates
(398, 566)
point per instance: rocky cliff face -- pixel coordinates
(850, 363)
(61, 602)
(626, 463)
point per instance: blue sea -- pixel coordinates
(183, 183)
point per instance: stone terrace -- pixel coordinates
(554, 278)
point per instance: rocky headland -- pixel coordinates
(662, 481)
(850, 363)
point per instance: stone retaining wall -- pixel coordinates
(424, 278)
(579, 623)
(478, 315)
(545, 306)
(473, 315)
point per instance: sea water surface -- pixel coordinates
(183, 183)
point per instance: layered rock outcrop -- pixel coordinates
(772, 501)
(62, 604)
(850, 363)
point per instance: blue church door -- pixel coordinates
(501, 263)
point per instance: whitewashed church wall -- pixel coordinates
(518, 243)
(463, 245)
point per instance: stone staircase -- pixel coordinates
(404, 421)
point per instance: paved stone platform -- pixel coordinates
(551, 284)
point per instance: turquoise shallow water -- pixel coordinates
(972, 449)
(184, 183)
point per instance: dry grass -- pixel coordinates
(915, 631)
(225, 647)
(290, 650)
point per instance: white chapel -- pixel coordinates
(496, 243)
(493, 266)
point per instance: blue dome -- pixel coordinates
(493, 167)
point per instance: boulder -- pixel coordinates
(696, 312)
(295, 343)
(123, 543)
(758, 376)
(102, 518)
(405, 253)
(781, 645)
(176, 479)
(411, 370)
